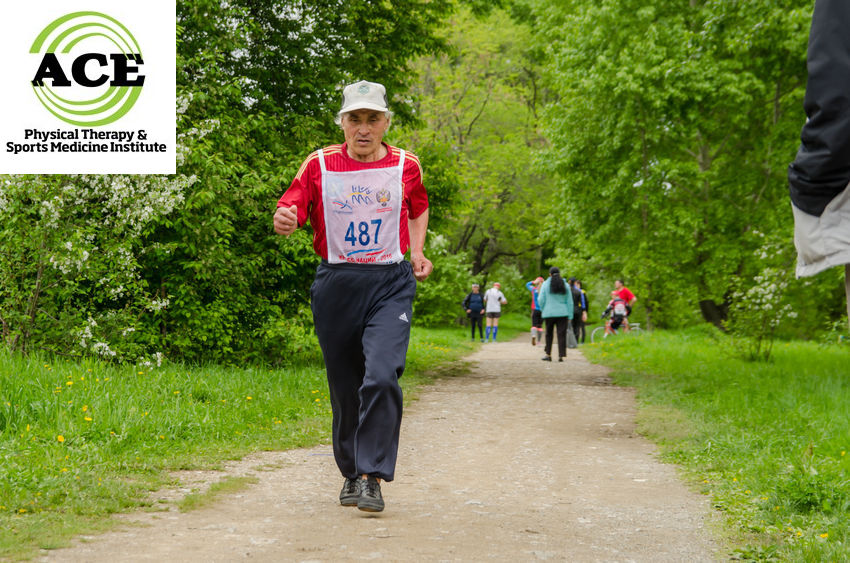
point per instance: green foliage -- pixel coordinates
(438, 300)
(837, 333)
(768, 441)
(189, 266)
(478, 104)
(267, 77)
(671, 139)
(70, 251)
(759, 304)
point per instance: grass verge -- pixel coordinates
(227, 486)
(81, 441)
(767, 441)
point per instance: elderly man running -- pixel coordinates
(367, 205)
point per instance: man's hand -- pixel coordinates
(286, 220)
(422, 267)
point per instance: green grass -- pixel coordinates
(768, 441)
(81, 441)
(226, 486)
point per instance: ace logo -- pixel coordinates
(102, 97)
(89, 87)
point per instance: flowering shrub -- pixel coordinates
(69, 271)
(759, 306)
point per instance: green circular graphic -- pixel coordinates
(72, 30)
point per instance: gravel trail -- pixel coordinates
(516, 460)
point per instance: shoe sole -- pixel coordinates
(370, 506)
(349, 501)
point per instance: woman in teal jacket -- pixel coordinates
(556, 302)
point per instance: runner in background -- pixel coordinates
(493, 301)
(473, 304)
(579, 309)
(536, 314)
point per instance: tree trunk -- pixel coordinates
(713, 313)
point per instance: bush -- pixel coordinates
(759, 306)
(70, 280)
(438, 299)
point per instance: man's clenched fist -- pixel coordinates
(286, 220)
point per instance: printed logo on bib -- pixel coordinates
(384, 199)
(335, 189)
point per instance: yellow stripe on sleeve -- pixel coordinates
(313, 156)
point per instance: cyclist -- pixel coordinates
(618, 309)
(624, 293)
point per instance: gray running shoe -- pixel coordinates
(350, 492)
(370, 498)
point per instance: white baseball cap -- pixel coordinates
(364, 95)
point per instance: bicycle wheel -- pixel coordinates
(597, 334)
(635, 329)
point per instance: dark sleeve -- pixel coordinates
(822, 167)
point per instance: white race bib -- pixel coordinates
(362, 214)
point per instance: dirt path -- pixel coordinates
(518, 460)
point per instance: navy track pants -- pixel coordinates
(362, 316)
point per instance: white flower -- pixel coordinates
(157, 305)
(103, 349)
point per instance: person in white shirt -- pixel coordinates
(493, 301)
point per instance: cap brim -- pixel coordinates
(357, 106)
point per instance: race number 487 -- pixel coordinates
(363, 235)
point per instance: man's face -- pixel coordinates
(474, 289)
(364, 130)
(618, 284)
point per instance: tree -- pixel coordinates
(266, 76)
(672, 137)
(259, 85)
(478, 104)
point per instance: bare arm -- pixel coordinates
(418, 228)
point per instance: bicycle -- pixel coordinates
(599, 332)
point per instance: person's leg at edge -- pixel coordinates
(550, 326)
(562, 337)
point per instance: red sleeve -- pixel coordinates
(414, 189)
(626, 294)
(304, 189)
